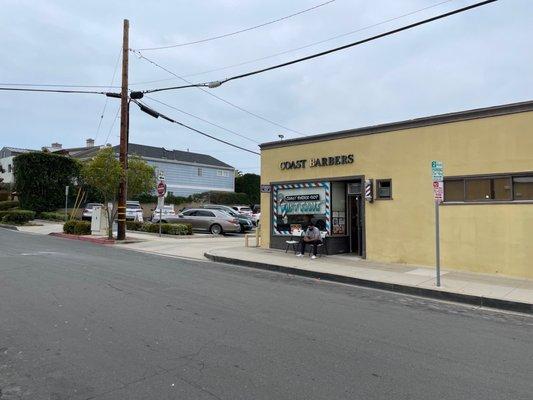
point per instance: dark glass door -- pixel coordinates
(355, 215)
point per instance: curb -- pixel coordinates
(83, 238)
(10, 227)
(473, 300)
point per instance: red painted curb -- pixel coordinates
(84, 238)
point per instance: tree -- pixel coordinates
(249, 184)
(103, 173)
(40, 179)
(141, 177)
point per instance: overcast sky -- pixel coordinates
(479, 58)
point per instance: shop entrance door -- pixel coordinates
(355, 215)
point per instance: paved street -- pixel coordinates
(84, 321)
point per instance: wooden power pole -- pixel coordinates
(124, 124)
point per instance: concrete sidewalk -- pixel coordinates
(479, 289)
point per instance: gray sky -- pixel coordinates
(476, 59)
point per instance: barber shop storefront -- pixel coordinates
(370, 191)
(334, 207)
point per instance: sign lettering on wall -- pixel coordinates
(318, 162)
(298, 201)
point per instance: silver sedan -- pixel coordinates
(214, 221)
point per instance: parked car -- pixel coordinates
(166, 211)
(256, 213)
(87, 212)
(245, 221)
(243, 210)
(214, 221)
(133, 210)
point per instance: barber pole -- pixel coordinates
(368, 190)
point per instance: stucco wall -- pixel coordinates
(487, 238)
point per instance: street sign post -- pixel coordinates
(161, 192)
(437, 174)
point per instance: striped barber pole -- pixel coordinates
(275, 190)
(368, 190)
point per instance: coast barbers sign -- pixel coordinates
(318, 162)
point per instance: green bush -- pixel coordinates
(167, 229)
(82, 228)
(40, 179)
(6, 205)
(17, 216)
(134, 225)
(75, 227)
(53, 216)
(226, 198)
(69, 226)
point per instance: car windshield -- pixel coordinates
(91, 205)
(245, 208)
(132, 205)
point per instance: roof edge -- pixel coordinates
(486, 112)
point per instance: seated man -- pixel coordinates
(312, 237)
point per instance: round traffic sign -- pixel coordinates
(161, 188)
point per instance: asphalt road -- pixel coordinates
(82, 321)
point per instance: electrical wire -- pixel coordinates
(112, 125)
(297, 48)
(140, 55)
(54, 91)
(356, 43)
(314, 43)
(57, 85)
(157, 114)
(239, 31)
(107, 98)
(202, 119)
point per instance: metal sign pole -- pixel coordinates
(437, 242)
(160, 217)
(66, 203)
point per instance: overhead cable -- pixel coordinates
(200, 87)
(109, 94)
(107, 98)
(202, 119)
(157, 114)
(359, 42)
(239, 31)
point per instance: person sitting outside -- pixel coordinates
(312, 237)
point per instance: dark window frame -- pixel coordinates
(378, 184)
(510, 176)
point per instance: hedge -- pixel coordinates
(17, 216)
(40, 179)
(53, 216)
(167, 229)
(6, 205)
(74, 227)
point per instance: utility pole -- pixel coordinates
(124, 124)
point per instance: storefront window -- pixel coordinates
(338, 208)
(295, 205)
(523, 187)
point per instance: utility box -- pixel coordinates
(99, 221)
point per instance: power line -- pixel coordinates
(298, 48)
(57, 85)
(157, 114)
(112, 125)
(202, 119)
(107, 98)
(239, 31)
(359, 42)
(109, 94)
(305, 46)
(140, 55)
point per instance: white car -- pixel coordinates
(256, 217)
(87, 213)
(133, 211)
(165, 212)
(243, 210)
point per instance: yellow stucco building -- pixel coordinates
(370, 190)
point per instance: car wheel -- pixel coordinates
(215, 229)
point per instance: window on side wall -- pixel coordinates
(383, 189)
(486, 189)
(9, 168)
(200, 172)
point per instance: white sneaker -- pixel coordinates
(299, 255)
(313, 257)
